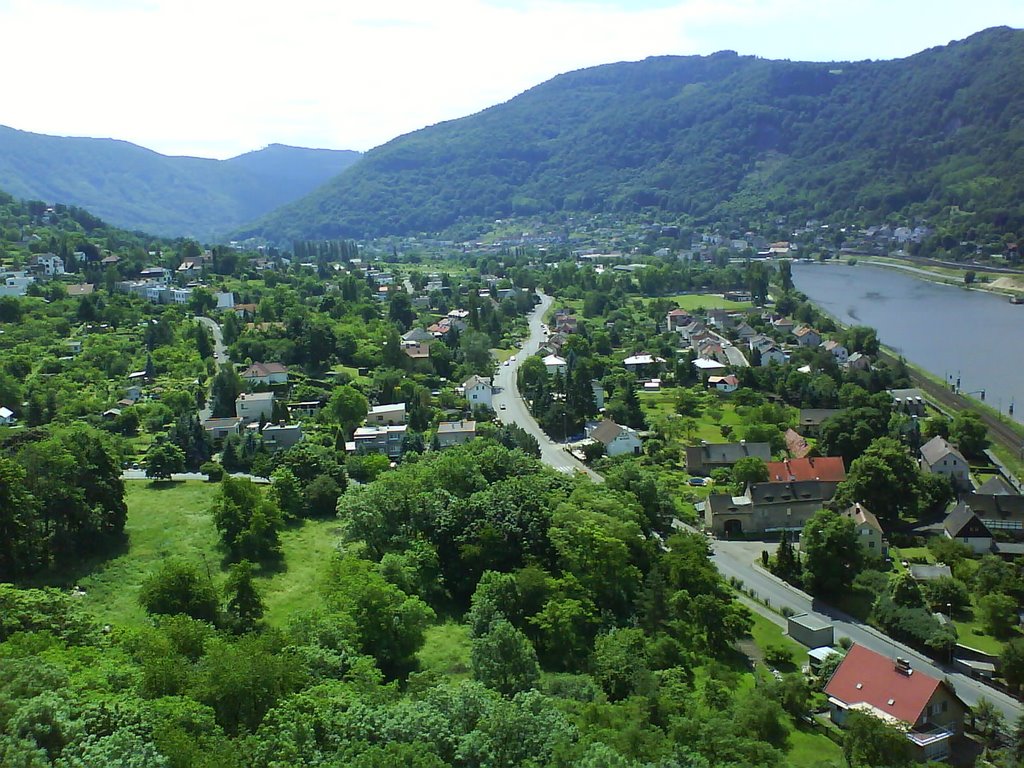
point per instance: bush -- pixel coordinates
(777, 655)
(214, 472)
(845, 643)
(787, 611)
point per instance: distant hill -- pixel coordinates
(713, 138)
(136, 188)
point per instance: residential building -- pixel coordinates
(807, 336)
(279, 436)
(767, 508)
(941, 458)
(225, 299)
(478, 391)
(858, 362)
(218, 429)
(266, 373)
(391, 414)
(892, 690)
(417, 335)
(306, 409)
(701, 459)
(643, 363)
(384, 439)
(48, 264)
(964, 525)
(598, 389)
(923, 572)
(80, 289)
(827, 468)
(555, 364)
(6, 416)
(869, 530)
(416, 350)
(837, 350)
(724, 384)
(451, 433)
(783, 324)
(677, 319)
(617, 440)
(254, 407)
(707, 367)
(999, 512)
(811, 419)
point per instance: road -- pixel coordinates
(737, 558)
(220, 354)
(515, 410)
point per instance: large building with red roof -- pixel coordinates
(829, 469)
(893, 691)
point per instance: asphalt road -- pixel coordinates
(515, 410)
(737, 558)
(220, 355)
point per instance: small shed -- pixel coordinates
(817, 656)
(813, 631)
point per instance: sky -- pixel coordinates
(215, 78)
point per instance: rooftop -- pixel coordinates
(829, 468)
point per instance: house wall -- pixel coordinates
(871, 540)
(624, 444)
(943, 709)
(447, 440)
(953, 468)
(766, 518)
(479, 395)
(980, 545)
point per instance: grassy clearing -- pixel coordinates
(767, 633)
(812, 749)
(446, 651)
(173, 520)
(501, 355)
(697, 301)
(164, 520)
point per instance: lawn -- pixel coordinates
(811, 749)
(696, 301)
(446, 650)
(767, 633)
(173, 520)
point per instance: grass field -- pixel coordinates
(173, 520)
(695, 301)
(446, 651)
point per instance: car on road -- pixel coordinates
(503, 406)
(512, 359)
(505, 363)
(699, 481)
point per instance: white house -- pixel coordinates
(478, 391)
(555, 364)
(451, 433)
(254, 406)
(617, 440)
(225, 299)
(636, 362)
(724, 383)
(266, 373)
(6, 416)
(941, 458)
(838, 351)
(392, 414)
(49, 264)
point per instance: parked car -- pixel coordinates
(698, 481)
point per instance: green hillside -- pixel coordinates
(713, 138)
(139, 189)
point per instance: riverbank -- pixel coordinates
(1000, 284)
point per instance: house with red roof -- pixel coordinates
(893, 691)
(826, 468)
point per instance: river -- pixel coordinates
(975, 336)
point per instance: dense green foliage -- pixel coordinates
(139, 189)
(713, 138)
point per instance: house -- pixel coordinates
(266, 373)
(963, 525)
(783, 324)
(811, 419)
(189, 269)
(909, 401)
(828, 468)
(278, 436)
(745, 333)
(225, 299)
(707, 367)
(996, 486)
(676, 319)
(478, 391)
(701, 459)
(598, 390)
(922, 572)
(384, 439)
(244, 311)
(869, 530)
(643, 362)
(617, 440)
(48, 264)
(416, 350)
(254, 407)
(941, 458)
(767, 508)
(892, 690)
(392, 414)
(807, 336)
(80, 289)
(725, 384)
(998, 512)
(555, 364)
(451, 433)
(417, 335)
(218, 429)
(721, 318)
(858, 362)
(6, 416)
(74, 346)
(837, 350)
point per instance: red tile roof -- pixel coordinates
(871, 678)
(827, 468)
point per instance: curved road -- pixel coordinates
(220, 355)
(515, 410)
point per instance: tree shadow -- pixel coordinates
(164, 485)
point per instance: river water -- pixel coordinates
(975, 336)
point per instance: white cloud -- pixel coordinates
(218, 77)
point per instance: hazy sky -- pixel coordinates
(215, 78)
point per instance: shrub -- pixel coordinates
(214, 472)
(787, 611)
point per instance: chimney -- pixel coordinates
(903, 666)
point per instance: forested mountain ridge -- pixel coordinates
(711, 138)
(137, 188)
